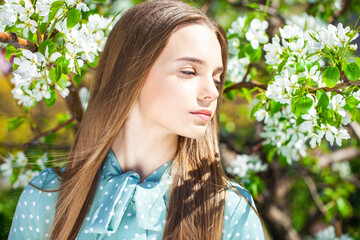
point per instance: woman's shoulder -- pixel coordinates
(35, 208)
(241, 219)
(237, 193)
(47, 179)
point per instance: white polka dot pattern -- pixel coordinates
(124, 208)
(240, 220)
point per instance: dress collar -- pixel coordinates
(119, 189)
(112, 167)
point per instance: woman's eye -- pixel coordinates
(188, 72)
(218, 83)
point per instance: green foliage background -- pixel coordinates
(239, 134)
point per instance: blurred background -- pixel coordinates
(316, 196)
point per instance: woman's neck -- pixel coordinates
(142, 147)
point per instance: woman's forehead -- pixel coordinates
(195, 41)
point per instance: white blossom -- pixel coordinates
(25, 178)
(82, 7)
(6, 167)
(237, 69)
(43, 9)
(337, 102)
(261, 115)
(28, 25)
(25, 11)
(238, 26)
(311, 121)
(273, 51)
(256, 33)
(291, 32)
(329, 132)
(340, 135)
(84, 97)
(242, 164)
(40, 91)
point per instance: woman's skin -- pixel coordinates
(181, 81)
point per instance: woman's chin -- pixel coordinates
(195, 134)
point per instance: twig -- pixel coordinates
(17, 42)
(244, 85)
(336, 14)
(43, 134)
(336, 87)
(356, 128)
(314, 194)
(340, 155)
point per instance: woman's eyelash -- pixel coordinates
(188, 72)
(217, 83)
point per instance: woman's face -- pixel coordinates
(180, 93)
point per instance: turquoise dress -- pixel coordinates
(123, 208)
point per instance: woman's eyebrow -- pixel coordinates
(198, 61)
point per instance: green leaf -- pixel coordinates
(304, 104)
(9, 51)
(270, 152)
(352, 71)
(42, 28)
(57, 4)
(245, 92)
(323, 99)
(78, 69)
(50, 101)
(233, 35)
(100, 1)
(357, 60)
(54, 75)
(73, 18)
(14, 123)
(48, 43)
(282, 64)
(331, 76)
(253, 54)
(230, 95)
(300, 66)
(14, 176)
(275, 107)
(254, 110)
(301, 105)
(299, 121)
(352, 102)
(343, 206)
(253, 5)
(62, 81)
(94, 63)
(64, 63)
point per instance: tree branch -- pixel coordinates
(17, 42)
(51, 131)
(336, 87)
(314, 194)
(340, 155)
(334, 17)
(244, 85)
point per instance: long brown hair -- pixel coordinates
(197, 199)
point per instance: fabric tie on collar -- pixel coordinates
(120, 189)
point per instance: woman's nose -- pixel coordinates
(208, 89)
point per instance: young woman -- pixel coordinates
(145, 163)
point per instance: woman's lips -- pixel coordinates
(202, 116)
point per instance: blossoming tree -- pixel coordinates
(301, 78)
